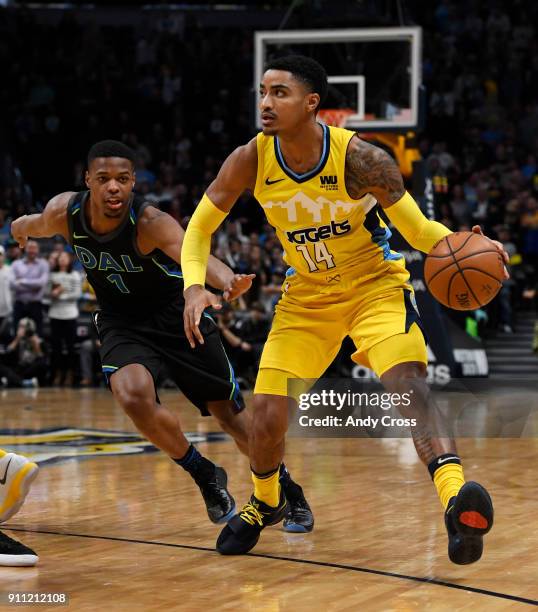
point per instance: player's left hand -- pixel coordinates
(239, 284)
(498, 245)
(18, 232)
(197, 299)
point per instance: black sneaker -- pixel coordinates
(468, 517)
(15, 554)
(243, 531)
(299, 518)
(219, 502)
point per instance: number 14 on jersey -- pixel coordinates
(321, 254)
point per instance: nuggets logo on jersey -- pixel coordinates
(315, 234)
(321, 232)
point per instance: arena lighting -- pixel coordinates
(69, 6)
(194, 7)
(61, 6)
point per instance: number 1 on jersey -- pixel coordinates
(321, 253)
(116, 279)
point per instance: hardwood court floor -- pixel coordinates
(129, 532)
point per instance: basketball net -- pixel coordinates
(335, 116)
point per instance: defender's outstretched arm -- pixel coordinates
(158, 230)
(51, 222)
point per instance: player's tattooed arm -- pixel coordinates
(369, 169)
(51, 222)
(158, 230)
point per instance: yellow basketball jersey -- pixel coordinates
(325, 233)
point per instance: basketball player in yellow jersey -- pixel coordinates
(320, 187)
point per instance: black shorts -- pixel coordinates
(158, 342)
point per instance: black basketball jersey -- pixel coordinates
(125, 281)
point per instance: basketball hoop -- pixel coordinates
(335, 116)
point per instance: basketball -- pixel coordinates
(464, 271)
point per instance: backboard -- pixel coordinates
(374, 72)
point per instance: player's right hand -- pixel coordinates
(476, 229)
(197, 299)
(17, 231)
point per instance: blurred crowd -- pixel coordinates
(45, 332)
(162, 92)
(481, 140)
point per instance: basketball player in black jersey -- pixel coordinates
(131, 254)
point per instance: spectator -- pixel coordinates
(6, 303)
(480, 212)
(5, 225)
(65, 290)
(244, 337)
(505, 295)
(89, 350)
(530, 168)
(272, 291)
(88, 302)
(13, 251)
(28, 281)
(53, 260)
(23, 364)
(459, 207)
(254, 329)
(529, 221)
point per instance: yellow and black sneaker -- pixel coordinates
(468, 517)
(243, 531)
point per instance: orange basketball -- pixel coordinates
(464, 271)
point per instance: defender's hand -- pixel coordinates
(478, 230)
(239, 284)
(197, 299)
(17, 231)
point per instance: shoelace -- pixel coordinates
(251, 515)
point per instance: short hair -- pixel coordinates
(111, 148)
(306, 70)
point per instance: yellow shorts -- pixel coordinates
(311, 321)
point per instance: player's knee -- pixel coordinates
(135, 397)
(270, 421)
(405, 376)
(409, 379)
(266, 433)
